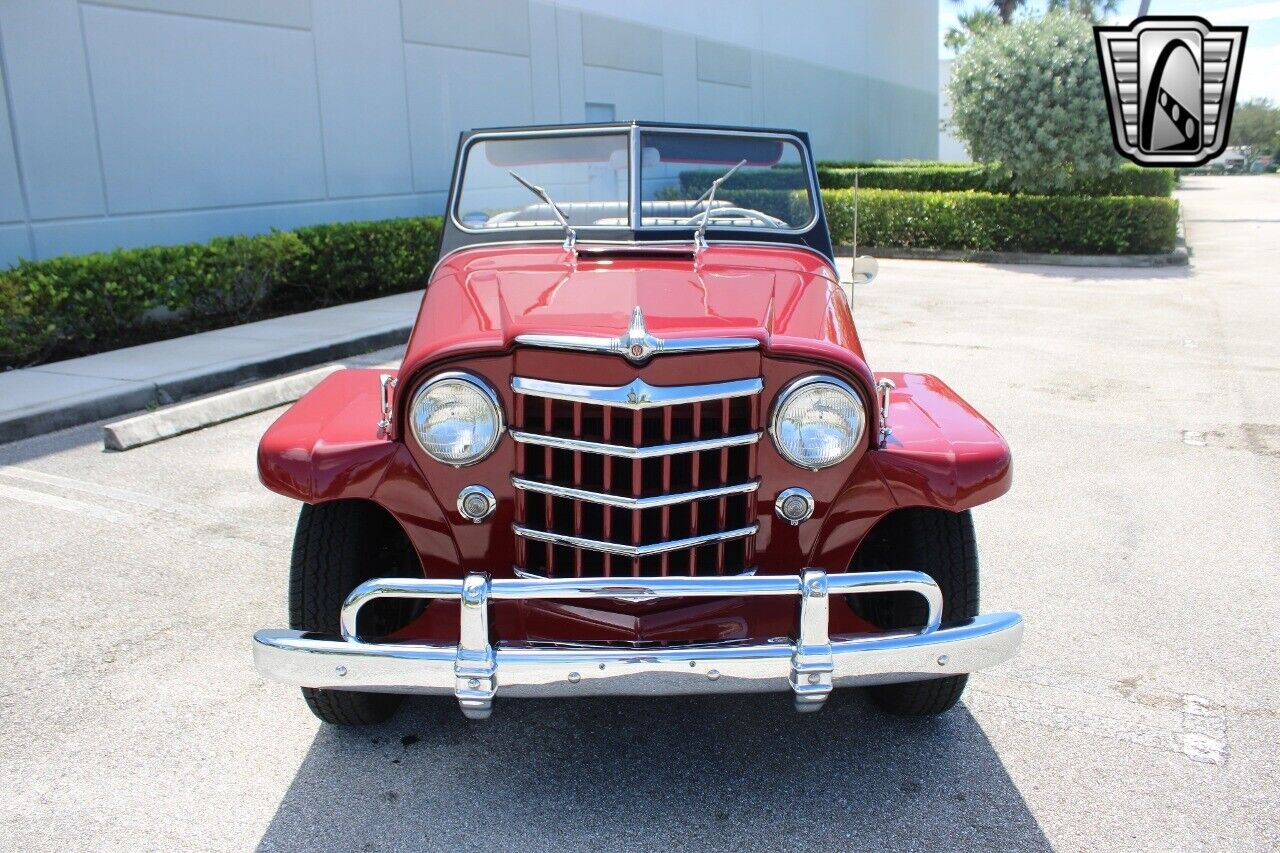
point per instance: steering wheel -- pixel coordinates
(762, 218)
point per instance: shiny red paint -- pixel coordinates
(942, 453)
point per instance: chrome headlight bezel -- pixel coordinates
(478, 384)
(800, 384)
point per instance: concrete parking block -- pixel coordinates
(186, 417)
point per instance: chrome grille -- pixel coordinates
(635, 481)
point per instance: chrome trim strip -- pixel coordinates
(638, 394)
(633, 550)
(636, 345)
(475, 670)
(580, 446)
(621, 346)
(629, 502)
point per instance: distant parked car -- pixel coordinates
(634, 447)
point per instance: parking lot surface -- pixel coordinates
(1140, 540)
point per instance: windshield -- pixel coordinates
(768, 189)
(588, 177)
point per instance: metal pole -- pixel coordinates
(1142, 8)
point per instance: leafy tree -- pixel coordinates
(1256, 127)
(1094, 10)
(1027, 101)
(996, 12)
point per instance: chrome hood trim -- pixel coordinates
(636, 344)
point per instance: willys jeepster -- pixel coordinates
(633, 448)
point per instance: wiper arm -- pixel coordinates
(700, 236)
(570, 236)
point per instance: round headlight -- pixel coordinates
(456, 418)
(817, 421)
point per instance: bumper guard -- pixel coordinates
(474, 670)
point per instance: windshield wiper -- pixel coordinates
(700, 236)
(570, 236)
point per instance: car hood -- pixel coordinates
(482, 299)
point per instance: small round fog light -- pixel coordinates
(794, 505)
(476, 503)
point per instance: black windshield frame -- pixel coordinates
(814, 236)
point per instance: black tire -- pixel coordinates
(338, 546)
(941, 544)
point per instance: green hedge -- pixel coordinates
(928, 175)
(991, 222)
(1130, 180)
(76, 305)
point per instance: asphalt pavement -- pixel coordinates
(1141, 540)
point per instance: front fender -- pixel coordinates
(327, 445)
(941, 451)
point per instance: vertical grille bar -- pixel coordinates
(548, 502)
(695, 460)
(577, 482)
(521, 502)
(607, 520)
(666, 486)
(722, 505)
(637, 485)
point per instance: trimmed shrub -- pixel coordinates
(77, 305)
(1130, 180)
(939, 177)
(346, 261)
(991, 222)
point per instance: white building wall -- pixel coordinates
(134, 122)
(949, 145)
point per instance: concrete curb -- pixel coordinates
(207, 411)
(1179, 257)
(92, 407)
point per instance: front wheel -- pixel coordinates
(942, 545)
(337, 547)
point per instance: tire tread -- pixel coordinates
(323, 570)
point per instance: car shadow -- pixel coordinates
(738, 772)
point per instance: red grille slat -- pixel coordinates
(577, 482)
(637, 485)
(548, 502)
(607, 477)
(667, 416)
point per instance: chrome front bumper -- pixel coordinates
(474, 671)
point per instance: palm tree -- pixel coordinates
(996, 12)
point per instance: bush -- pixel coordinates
(1027, 100)
(990, 222)
(1130, 180)
(932, 176)
(83, 304)
(346, 261)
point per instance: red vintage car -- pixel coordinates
(634, 447)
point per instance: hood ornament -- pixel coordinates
(637, 344)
